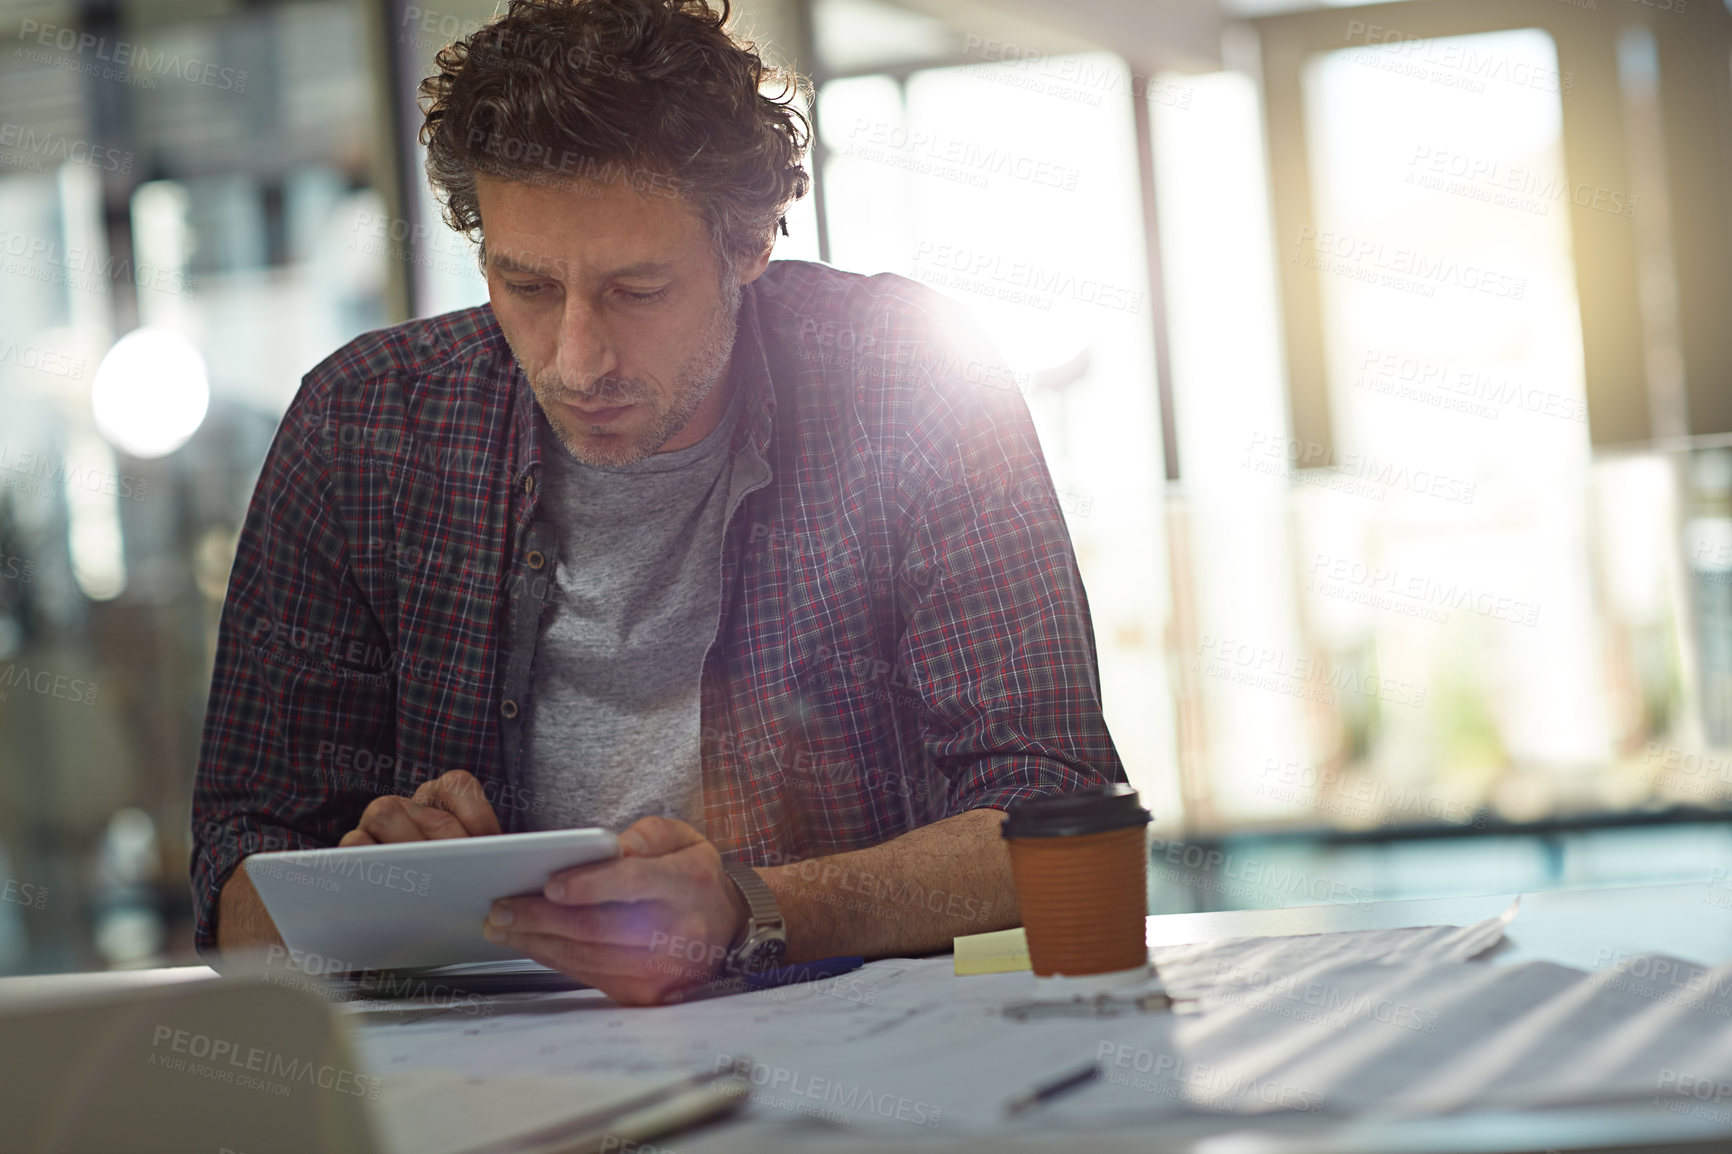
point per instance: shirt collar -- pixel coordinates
(750, 366)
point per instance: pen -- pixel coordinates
(768, 979)
(1047, 1091)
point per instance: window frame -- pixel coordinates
(1695, 59)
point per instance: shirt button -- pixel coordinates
(536, 560)
(508, 710)
(529, 482)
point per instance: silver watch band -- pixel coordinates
(766, 934)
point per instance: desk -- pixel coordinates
(1589, 929)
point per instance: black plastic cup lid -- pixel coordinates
(1094, 810)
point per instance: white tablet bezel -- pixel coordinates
(412, 903)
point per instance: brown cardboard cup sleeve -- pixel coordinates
(1080, 862)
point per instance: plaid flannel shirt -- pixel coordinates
(903, 632)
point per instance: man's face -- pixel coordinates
(614, 306)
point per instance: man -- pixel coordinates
(759, 564)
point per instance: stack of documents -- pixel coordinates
(900, 1048)
(1344, 1024)
(1424, 1038)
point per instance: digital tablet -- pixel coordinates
(412, 903)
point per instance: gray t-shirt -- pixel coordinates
(614, 733)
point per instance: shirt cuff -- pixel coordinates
(1003, 781)
(219, 850)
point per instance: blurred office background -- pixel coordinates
(1381, 354)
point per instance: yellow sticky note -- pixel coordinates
(1000, 952)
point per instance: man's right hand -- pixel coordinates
(448, 806)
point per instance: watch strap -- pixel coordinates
(766, 933)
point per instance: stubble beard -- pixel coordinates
(695, 380)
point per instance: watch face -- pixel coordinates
(764, 955)
(770, 954)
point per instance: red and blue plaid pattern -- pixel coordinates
(904, 633)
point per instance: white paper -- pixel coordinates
(901, 1048)
(1422, 1038)
(1189, 970)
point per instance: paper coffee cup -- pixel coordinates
(1080, 864)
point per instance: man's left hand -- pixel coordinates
(660, 917)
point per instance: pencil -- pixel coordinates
(1047, 1091)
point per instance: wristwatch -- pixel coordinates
(766, 940)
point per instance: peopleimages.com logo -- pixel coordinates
(46, 683)
(251, 1067)
(325, 870)
(136, 58)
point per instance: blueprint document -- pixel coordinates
(1425, 1038)
(905, 1047)
(1385, 1022)
(1407, 1034)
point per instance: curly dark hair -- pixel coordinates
(654, 92)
